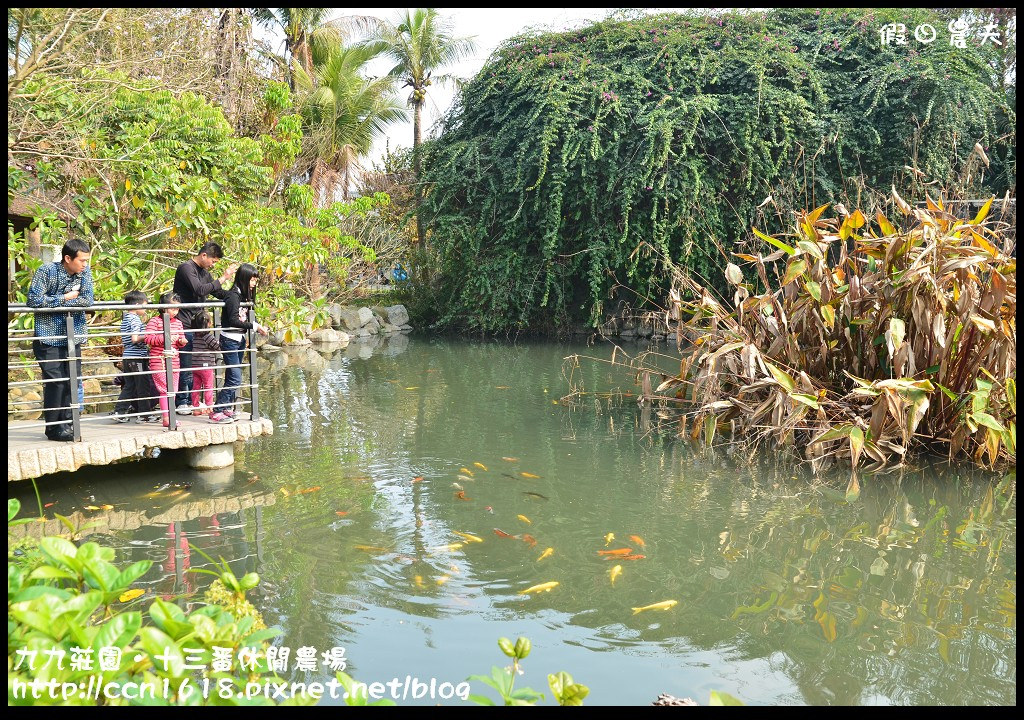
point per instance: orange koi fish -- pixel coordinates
(502, 533)
(529, 539)
(633, 557)
(341, 513)
(637, 540)
(461, 495)
(418, 478)
(616, 551)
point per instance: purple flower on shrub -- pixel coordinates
(590, 128)
(717, 44)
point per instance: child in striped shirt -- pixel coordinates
(138, 391)
(158, 354)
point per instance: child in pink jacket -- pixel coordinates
(158, 353)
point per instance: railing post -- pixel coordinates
(172, 420)
(218, 373)
(254, 392)
(76, 420)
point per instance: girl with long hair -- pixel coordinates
(236, 321)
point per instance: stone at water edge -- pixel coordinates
(334, 310)
(350, 319)
(365, 315)
(397, 315)
(327, 335)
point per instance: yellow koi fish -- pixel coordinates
(419, 581)
(443, 579)
(615, 572)
(546, 554)
(543, 587)
(529, 475)
(467, 471)
(467, 536)
(455, 569)
(447, 548)
(371, 548)
(481, 466)
(510, 459)
(664, 605)
(608, 539)
(525, 519)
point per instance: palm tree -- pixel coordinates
(420, 43)
(308, 33)
(344, 112)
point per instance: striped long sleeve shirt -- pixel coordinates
(49, 285)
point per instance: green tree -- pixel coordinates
(421, 43)
(344, 112)
(308, 33)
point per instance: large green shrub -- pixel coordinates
(569, 151)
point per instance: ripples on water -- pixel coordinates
(791, 589)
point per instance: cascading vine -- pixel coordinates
(574, 161)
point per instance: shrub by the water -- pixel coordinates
(577, 160)
(869, 341)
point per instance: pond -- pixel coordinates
(790, 589)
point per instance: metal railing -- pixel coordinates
(19, 357)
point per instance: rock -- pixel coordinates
(628, 333)
(16, 392)
(30, 397)
(396, 344)
(397, 315)
(361, 333)
(269, 347)
(277, 338)
(327, 335)
(350, 319)
(105, 368)
(334, 311)
(298, 342)
(406, 328)
(388, 329)
(373, 327)
(365, 316)
(92, 387)
(261, 340)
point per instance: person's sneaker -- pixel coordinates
(121, 418)
(219, 417)
(183, 409)
(230, 414)
(149, 419)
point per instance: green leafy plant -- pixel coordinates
(502, 680)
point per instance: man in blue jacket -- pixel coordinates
(66, 283)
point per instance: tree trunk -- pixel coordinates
(226, 68)
(32, 242)
(416, 138)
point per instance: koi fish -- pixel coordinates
(637, 540)
(447, 548)
(543, 587)
(616, 551)
(633, 557)
(414, 387)
(418, 478)
(467, 471)
(502, 533)
(608, 539)
(481, 466)
(371, 548)
(615, 572)
(535, 495)
(530, 475)
(467, 536)
(308, 490)
(50, 504)
(461, 495)
(529, 539)
(465, 478)
(502, 387)
(489, 509)
(664, 605)
(457, 486)
(525, 519)
(419, 581)
(510, 459)
(285, 492)
(546, 554)
(341, 513)
(442, 580)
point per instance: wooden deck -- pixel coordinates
(30, 454)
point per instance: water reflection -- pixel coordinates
(879, 589)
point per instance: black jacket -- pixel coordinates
(192, 284)
(232, 320)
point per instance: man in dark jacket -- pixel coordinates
(193, 282)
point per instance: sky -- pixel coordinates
(489, 27)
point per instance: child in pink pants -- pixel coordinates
(158, 353)
(204, 360)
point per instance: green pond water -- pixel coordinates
(791, 589)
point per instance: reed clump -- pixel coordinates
(859, 339)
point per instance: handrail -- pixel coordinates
(68, 338)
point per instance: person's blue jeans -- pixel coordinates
(232, 375)
(185, 378)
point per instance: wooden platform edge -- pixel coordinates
(31, 463)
